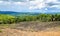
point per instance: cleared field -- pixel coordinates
(37, 26)
(14, 32)
(33, 28)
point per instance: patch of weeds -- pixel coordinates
(3, 25)
(0, 31)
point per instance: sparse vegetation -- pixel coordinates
(0, 31)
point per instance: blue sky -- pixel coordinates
(30, 5)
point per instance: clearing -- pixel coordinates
(31, 29)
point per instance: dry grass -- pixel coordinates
(36, 25)
(31, 29)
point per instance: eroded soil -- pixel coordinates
(14, 32)
(32, 29)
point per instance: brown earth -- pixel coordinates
(37, 26)
(14, 32)
(32, 29)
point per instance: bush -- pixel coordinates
(8, 19)
(5, 19)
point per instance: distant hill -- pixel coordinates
(7, 12)
(25, 13)
(18, 13)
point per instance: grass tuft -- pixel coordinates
(0, 31)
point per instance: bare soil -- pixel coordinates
(32, 29)
(37, 26)
(14, 32)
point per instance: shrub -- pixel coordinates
(8, 19)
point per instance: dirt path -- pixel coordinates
(14, 32)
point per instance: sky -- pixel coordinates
(30, 5)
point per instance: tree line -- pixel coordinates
(9, 19)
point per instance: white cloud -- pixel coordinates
(40, 4)
(32, 5)
(48, 1)
(10, 3)
(20, 3)
(1, 1)
(37, 4)
(15, 6)
(4, 2)
(56, 6)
